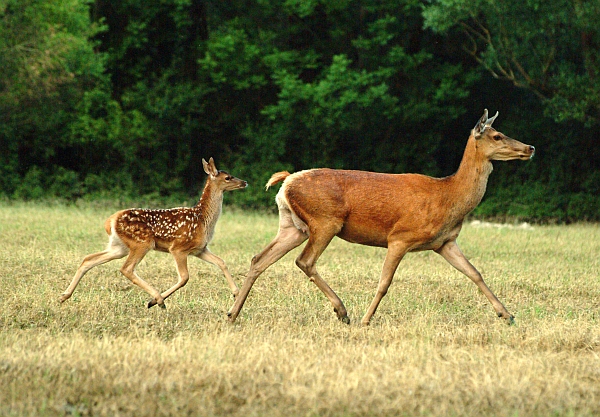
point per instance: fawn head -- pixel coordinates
(222, 179)
(497, 146)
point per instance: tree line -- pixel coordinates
(121, 99)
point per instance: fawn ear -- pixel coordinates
(209, 167)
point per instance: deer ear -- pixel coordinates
(480, 126)
(489, 122)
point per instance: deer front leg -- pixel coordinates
(452, 253)
(211, 258)
(394, 255)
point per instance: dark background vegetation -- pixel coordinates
(121, 99)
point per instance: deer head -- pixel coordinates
(497, 146)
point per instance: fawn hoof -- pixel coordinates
(230, 317)
(345, 320)
(63, 298)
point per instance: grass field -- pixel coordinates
(434, 348)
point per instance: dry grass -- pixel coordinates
(435, 347)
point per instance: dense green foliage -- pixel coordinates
(122, 99)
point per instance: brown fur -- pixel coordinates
(401, 212)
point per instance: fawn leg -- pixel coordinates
(211, 258)
(182, 271)
(128, 269)
(114, 251)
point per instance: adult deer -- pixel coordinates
(402, 212)
(181, 231)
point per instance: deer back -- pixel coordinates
(368, 206)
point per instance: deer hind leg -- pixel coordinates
(394, 255)
(115, 250)
(136, 254)
(211, 258)
(452, 253)
(183, 274)
(317, 242)
(288, 237)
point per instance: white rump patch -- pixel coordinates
(283, 205)
(115, 244)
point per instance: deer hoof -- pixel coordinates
(510, 319)
(153, 302)
(342, 317)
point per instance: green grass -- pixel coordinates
(434, 348)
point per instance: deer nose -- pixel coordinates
(532, 150)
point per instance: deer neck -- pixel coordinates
(469, 183)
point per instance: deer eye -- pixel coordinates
(228, 178)
(497, 137)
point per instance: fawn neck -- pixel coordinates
(210, 204)
(468, 184)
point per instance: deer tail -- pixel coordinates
(277, 177)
